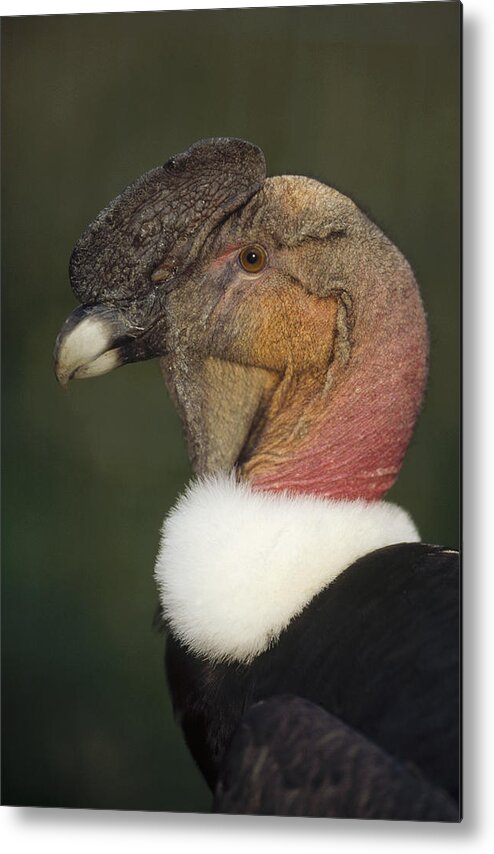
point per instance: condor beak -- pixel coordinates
(92, 341)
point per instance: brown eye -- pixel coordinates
(253, 258)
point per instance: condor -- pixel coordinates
(313, 641)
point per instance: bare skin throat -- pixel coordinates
(345, 442)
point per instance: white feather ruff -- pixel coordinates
(235, 565)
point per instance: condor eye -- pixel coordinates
(253, 258)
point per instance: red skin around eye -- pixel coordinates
(226, 255)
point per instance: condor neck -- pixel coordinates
(347, 441)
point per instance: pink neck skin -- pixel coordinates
(362, 427)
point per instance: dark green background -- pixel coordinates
(365, 98)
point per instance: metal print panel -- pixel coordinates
(263, 207)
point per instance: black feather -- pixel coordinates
(290, 757)
(378, 648)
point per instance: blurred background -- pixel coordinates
(365, 98)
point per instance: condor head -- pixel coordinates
(289, 329)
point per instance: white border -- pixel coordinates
(62, 7)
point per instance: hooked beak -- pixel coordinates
(92, 341)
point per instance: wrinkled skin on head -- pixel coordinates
(269, 369)
(127, 259)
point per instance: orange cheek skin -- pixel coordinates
(277, 327)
